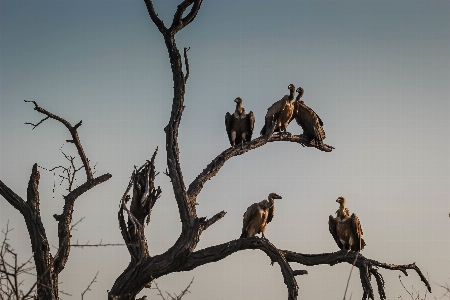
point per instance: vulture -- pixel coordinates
(280, 112)
(307, 118)
(239, 125)
(258, 215)
(345, 229)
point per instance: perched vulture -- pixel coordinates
(258, 215)
(280, 112)
(308, 119)
(239, 125)
(345, 229)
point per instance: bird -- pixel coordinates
(307, 118)
(345, 229)
(280, 112)
(239, 125)
(258, 215)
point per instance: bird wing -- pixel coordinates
(277, 107)
(250, 119)
(273, 113)
(271, 213)
(309, 121)
(229, 125)
(248, 216)
(357, 233)
(332, 225)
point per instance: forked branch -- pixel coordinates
(367, 267)
(144, 198)
(47, 266)
(74, 133)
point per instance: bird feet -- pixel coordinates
(285, 134)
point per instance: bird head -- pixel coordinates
(341, 200)
(238, 100)
(291, 87)
(300, 92)
(274, 196)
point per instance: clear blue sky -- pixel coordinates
(377, 72)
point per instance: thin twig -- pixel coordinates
(350, 275)
(36, 125)
(95, 245)
(186, 62)
(89, 286)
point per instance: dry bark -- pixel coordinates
(48, 266)
(144, 268)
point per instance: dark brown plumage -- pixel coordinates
(307, 118)
(258, 215)
(345, 229)
(280, 112)
(239, 125)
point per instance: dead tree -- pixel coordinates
(144, 268)
(49, 266)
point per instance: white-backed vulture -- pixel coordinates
(307, 118)
(239, 125)
(280, 112)
(345, 229)
(258, 215)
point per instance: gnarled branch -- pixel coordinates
(158, 22)
(216, 164)
(73, 131)
(47, 267)
(219, 252)
(186, 64)
(367, 267)
(179, 22)
(66, 219)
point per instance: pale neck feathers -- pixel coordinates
(240, 111)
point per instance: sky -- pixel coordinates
(377, 73)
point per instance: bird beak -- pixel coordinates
(236, 100)
(337, 200)
(278, 197)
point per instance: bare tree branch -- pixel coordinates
(10, 284)
(100, 244)
(186, 64)
(65, 221)
(179, 22)
(154, 16)
(89, 286)
(144, 269)
(219, 252)
(73, 132)
(350, 275)
(47, 266)
(177, 297)
(216, 164)
(15, 200)
(365, 265)
(37, 124)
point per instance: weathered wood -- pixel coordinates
(143, 268)
(47, 266)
